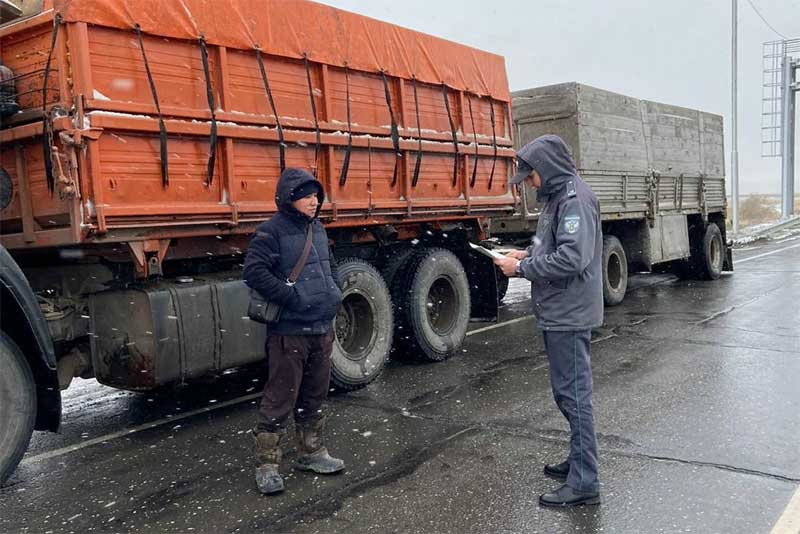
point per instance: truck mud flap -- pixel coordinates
(482, 287)
(728, 263)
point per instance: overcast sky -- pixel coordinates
(676, 52)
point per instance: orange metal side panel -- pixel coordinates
(367, 100)
(131, 178)
(432, 113)
(481, 114)
(501, 172)
(436, 179)
(118, 70)
(255, 165)
(369, 178)
(287, 80)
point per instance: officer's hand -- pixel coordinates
(508, 265)
(517, 254)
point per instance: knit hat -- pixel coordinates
(305, 189)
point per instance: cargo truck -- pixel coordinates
(658, 172)
(141, 144)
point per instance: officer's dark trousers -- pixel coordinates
(571, 379)
(299, 370)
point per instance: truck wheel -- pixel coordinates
(432, 303)
(709, 256)
(17, 406)
(615, 271)
(502, 284)
(363, 326)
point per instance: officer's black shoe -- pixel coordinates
(559, 471)
(566, 496)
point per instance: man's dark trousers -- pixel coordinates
(299, 378)
(571, 380)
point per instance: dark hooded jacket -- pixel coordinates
(309, 306)
(565, 259)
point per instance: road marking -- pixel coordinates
(609, 336)
(789, 522)
(153, 424)
(770, 253)
(498, 325)
(135, 429)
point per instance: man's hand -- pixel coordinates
(517, 254)
(508, 265)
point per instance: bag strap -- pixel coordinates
(303, 257)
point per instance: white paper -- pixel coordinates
(485, 251)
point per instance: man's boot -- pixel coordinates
(313, 455)
(268, 454)
(558, 471)
(566, 496)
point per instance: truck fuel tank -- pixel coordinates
(172, 331)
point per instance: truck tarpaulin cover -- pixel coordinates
(291, 28)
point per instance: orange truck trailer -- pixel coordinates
(141, 145)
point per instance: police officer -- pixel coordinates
(564, 266)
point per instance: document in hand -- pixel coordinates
(485, 251)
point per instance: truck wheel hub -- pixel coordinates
(355, 325)
(442, 304)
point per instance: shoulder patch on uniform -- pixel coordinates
(572, 223)
(571, 192)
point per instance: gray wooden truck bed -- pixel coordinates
(657, 170)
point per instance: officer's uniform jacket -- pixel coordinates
(565, 257)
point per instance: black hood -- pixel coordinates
(290, 180)
(549, 156)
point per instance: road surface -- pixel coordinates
(697, 406)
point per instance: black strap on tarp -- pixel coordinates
(212, 156)
(494, 142)
(47, 126)
(346, 162)
(475, 138)
(318, 147)
(417, 163)
(265, 80)
(161, 127)
(395, 133)
(453, 131)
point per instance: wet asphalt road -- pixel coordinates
(697, 406)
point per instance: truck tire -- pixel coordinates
(615, 271)
(432, 305)
(502, 284)
(363, 327)
(17, 406)
(708, 255)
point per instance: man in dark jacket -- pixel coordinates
(299, 344)
(564, 266)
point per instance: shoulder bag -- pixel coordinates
(266, 311)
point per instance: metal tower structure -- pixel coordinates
(781, 62)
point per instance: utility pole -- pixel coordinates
(787, 105)
(734, 113)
